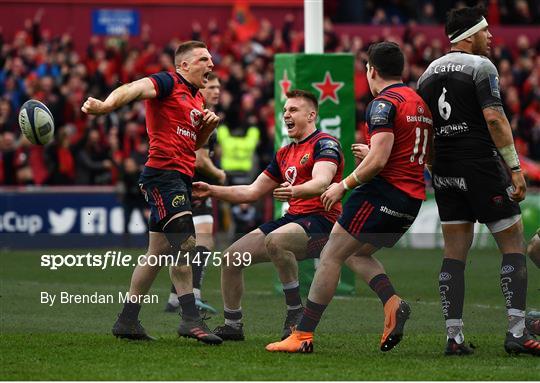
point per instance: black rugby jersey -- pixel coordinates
(210, 146)
(457, 87)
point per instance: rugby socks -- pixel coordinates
(514, 290)
(130, 312)
(311, 316)
(516, 322)
(292, 295)
(454, 330)
(382, 286)
(187, 303)
(173, 298)
(233, 317)
(197, 268)
(452, 292)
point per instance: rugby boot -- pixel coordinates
(455, 348)
(204, 307)
(196, 328)
(532, 322)
(227, 332)
(396, 313)
(291, 320)
(298, 341)
(526, 344)
(130, 329)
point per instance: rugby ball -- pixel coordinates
(36, 122)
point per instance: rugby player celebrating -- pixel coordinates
(388, 190)
(177, 126)
(300, 172)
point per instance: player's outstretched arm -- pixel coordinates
(238, 193)
(501, 134)
(373, 163)
(137, 90)
(204, 164)
(322, 174)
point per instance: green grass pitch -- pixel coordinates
(73, 342)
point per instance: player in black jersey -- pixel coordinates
(471, 182)
(203, 218)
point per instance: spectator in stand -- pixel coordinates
(23, 170)
(8, 119)
(94, 162)
(8, 148)
(36, 64)
(428, 15)
(60, 159)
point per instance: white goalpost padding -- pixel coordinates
(313, 26)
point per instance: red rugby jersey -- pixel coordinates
(294, 163)
(400, 110)
(173, 120)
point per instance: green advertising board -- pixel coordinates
(330, 77)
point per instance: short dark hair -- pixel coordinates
(212, 76)
(186, 47)
(308, 96)
(387, 58)
(459, 20)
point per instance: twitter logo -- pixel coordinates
(62, 222)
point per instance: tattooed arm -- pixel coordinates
(501, 134)
(498, 126)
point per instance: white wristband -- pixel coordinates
(345, 185)
(356, 178)
(511, 158)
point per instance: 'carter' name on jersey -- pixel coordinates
(450, 67)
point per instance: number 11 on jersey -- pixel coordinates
(417, 145)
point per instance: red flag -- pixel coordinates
(245, 24)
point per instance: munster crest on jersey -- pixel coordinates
(196, 117)
(290, 174)
(304, 159)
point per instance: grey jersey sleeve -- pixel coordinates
(486, 79)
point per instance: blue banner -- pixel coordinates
(29, 219)
(115, 22)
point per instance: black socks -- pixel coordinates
(198, 267)
(514, 280)
(130, 311)
(187, 303)
(452, 288)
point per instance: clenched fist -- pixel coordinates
(210, 119)
(94, 106)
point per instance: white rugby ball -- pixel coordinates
(36, 122)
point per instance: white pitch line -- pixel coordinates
(341, 297)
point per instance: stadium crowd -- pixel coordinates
(94, 151)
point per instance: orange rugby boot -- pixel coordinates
(396, 313)
(298, 341)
